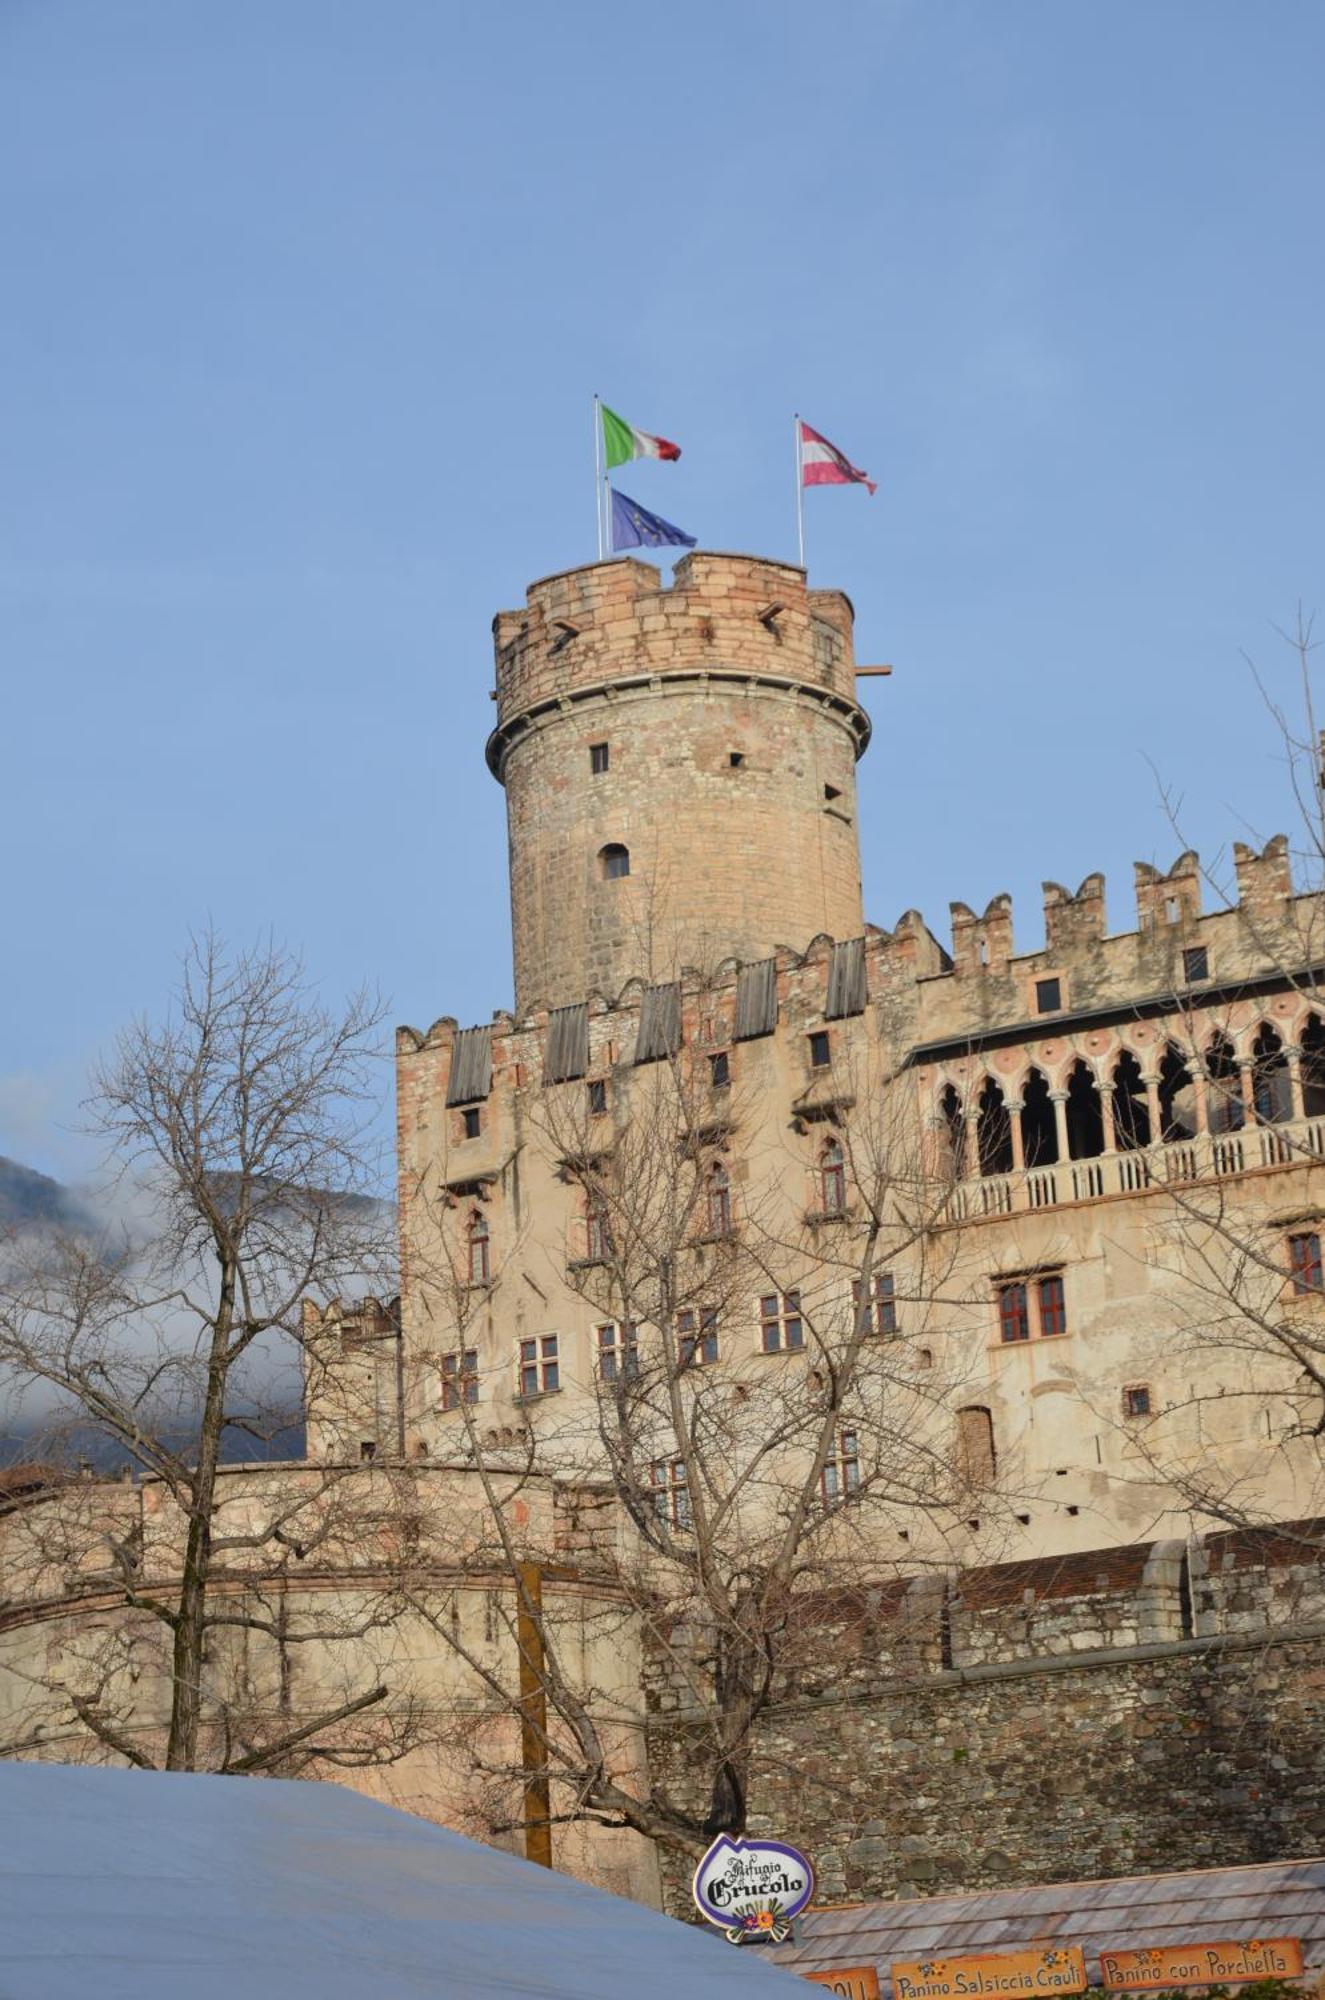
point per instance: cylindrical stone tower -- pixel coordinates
(679, 767)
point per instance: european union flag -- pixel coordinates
(634, 527)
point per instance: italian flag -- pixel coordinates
(622, 441)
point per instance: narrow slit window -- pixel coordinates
(598, 759)
(597, 1097)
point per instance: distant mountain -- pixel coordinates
(28, 1198)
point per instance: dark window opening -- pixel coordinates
(1131, 1111)
(832, 792)
(598, 759)
(720, 1070)
(735, 759)
(1136, 1399)
(1313, 1067)
(597, 1098)
(953, 1129)
(993, 1131)
(1304, 1261)
(1039, 1130)
(821, 1053)
(473, 1121)
(1225, 1110)
(614, 861)
(1177, 1098)
(719, 1202)
(1048, 995)
(1085, 1114)
(1271, 1089)
(367, 1452)
(1196, 964)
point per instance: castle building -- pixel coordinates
(1114, 1138)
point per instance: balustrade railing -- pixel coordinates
(1179, 1162)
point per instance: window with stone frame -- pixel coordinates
(671, 1492)
(840, 1478)
(1036, 1304)
(1304, 1262)
(459, 1378)
(718, 1197)
(1136, 1401)
(781, 1328)
(597, 1096)
(597, 1232)
(618, 1350)
(881, 1310)
(538, 1366)
(479, 1246)
(697, 1336)
(833, 1179)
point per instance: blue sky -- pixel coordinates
(304, 305)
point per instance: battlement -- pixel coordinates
(609, 625)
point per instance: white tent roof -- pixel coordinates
(146, 1885)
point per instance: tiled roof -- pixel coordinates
(1214, 1905)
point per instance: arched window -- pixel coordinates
(719, 1201)
(975, 1455)
(613, 861)
(1313, 1067)
(1085, 1115)
(833, 1176)
(993, 1131)
(1270, 1088)
(1039, 1133)
(1225, 1110)
(953, 1132)
(1131, 1112)
(480, 1265)
(1177, 1097)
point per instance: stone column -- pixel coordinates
(1015, 1107)
(1294, 1055)
(1151, 1082)
(1058, 1098)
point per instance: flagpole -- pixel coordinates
(800, 493)
(598, 474)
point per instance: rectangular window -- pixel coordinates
(459, 1378)
(1196, 964)
(473, 1122)
(781, 1328)
(1304, 1262)
(882, 1314)
(1048, 996)
(671, 1496)
(367, 1452)
(840, 1478)
(1013, 1314)
(618, 1351)
(1136, 1399)
(720, 1070)
(697, 1336)
(597, 1097)
(1053, 1309)
(597, 759)
(821, 1053)
(539, 1370)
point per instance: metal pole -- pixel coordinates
(800, 495)
(598, 473)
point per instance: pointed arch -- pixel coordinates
(1177, 1097)
(1225, 1110)
(1039, 1129)
(1312, 1040)
(1271, 1088)
(1085, 1113)
(1131, 1107)
(993, 1131)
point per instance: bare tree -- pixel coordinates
(720, 1499)
(240, 1133)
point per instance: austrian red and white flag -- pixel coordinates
(822, 464)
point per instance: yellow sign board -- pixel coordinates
(1201, 1964)
(852, 1982)
(993, 1975)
